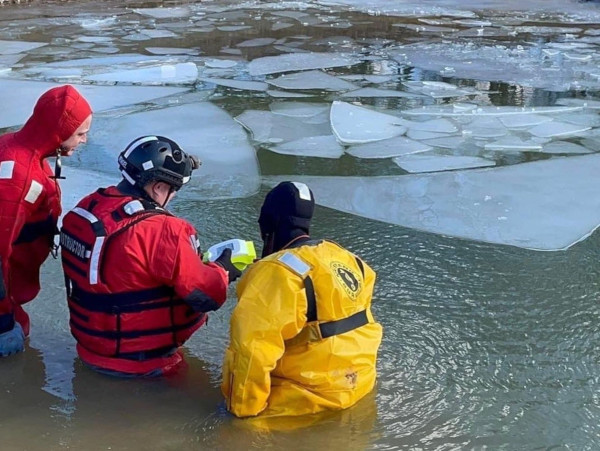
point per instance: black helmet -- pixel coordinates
(156, 158)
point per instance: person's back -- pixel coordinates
(303, 338)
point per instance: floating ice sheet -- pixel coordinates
(237, 84)
(402, 9)
(485, 127)
(438, 89)
(353, 124)
(314, 79)
(432, 125)
(564, 147)
(79, 182)
(374, 92)
(171, 51)
(109, 61)
(324, 146)
(268, 127)
(229, 166)
(424, 134)
(299, 109)
(8, 61)
(584, 103)
(515, 205)
(12, 47)
(584, 119)
(165, 13)
(376, 79)
(436, 163)
(183, 73)
(258, 42)
(284, 94)
(557, 129)
(446, 142)
(523, 120)
(220, 63)
(298, 61)
(19, 96)
(388, 148)
(513, 143)
(470, 110)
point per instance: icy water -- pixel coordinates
(486, 345)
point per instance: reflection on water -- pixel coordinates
(485, 347)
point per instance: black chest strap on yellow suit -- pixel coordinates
(314, 329)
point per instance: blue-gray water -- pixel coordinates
(485, 346)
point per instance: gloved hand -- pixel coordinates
(13, 341)
(225, 261)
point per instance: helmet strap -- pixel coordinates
(171, 191)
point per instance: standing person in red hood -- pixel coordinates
(30, 202)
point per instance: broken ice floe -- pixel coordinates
(12, 47)
(272, 128)
(513, 143)
(298, 61)
(229, 166)
(285, 94)
(485, 127)
(216, 63)
(237, 84)
(438, 89)
(557, 129)
(324, 146)
(171, 51)
(472, 110)
(80, 182)
(165, 13)
(353, 124)
(388, 148)
(314, 79)
(374, 92)
(523, 120)
(536, 65)
(144, 35)
(514, 205)
(183, 73)
(257, 42)
(436, 163)
(564, 147)
(299, 109)
(8, 61)
(20, 96)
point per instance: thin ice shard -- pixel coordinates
(353, 124)
(436, 163)
(298, 61)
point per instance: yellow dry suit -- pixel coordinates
(303, 339)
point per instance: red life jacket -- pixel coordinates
(132, 330)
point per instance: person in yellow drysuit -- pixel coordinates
(302, 338)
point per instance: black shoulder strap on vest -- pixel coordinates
(311, 309)
(360, 266)
(331, 328)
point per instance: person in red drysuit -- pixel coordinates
(30, 202)
(136, 285)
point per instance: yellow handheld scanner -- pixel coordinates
(242, 252)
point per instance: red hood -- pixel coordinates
(56, 115)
